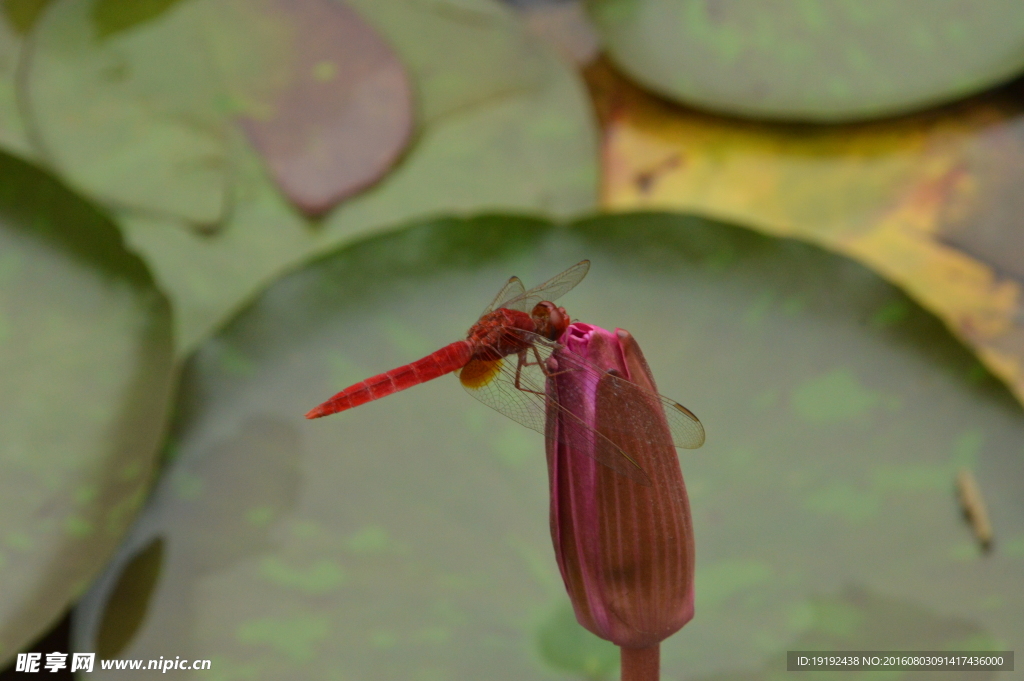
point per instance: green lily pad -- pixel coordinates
(15, 20)
(86, 369)
(815, 60)
(408, 538)
(504, 125)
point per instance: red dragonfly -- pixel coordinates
(502, 363)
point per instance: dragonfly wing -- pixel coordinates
(516, 389)
(487, 381)
(687, 431)
(510, 291)
(552, 289)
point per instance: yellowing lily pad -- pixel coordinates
(929, 201)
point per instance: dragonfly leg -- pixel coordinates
(519, 369)
(524, 362)
(540, 363)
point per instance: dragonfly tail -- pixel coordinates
(444, 361)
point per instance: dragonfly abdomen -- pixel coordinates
(439, 363)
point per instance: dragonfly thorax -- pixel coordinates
(495, 335)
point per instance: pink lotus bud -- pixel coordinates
(625, 550)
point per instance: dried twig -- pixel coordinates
(974, 508)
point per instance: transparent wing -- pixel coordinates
(686, 429)
(552, 289)
(493, 382)
(513, 289)
(515, 386)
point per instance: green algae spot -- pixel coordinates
(369, 540)
(1013, 547)
(260, 516)
(295, 637)
(78, 527)
(837, 618)
(833, 397)
(720, 581)
(86, 494)
(321, 577)
(566, 646)
(325, 71)
(890, 314)
(843, 500)
(615, 11)
(977, 373)
(114, 16)
(914, 477)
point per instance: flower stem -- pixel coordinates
(641, 664)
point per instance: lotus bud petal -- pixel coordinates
(625, 550)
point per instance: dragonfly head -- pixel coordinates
(550, 321)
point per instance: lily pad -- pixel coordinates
(504, 125)
(86, 369)
(345, 114)
(822, 61)
(14, 22)
(408, 538)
